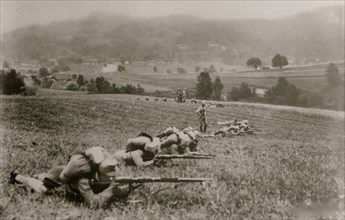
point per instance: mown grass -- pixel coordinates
(297, 159)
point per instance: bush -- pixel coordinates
(91, 86)
(83, 88)
(121, 68)
(30, 90)
(11, 82)
(73, 86)
(56, 85)
(169, 71)
(36, 81)
(212, 69)
(181, 70)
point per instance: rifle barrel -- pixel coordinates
(182, 157)
(158, 179)
(201, 154)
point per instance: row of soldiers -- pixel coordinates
(88, 176)
(92, 176)
(231, 128)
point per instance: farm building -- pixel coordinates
(260, 92)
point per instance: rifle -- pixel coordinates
(201, 154)
(100, 186)
(130, 180)
(183, 156)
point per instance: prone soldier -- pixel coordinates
(140, 151)
(80, 177)
(174, 141)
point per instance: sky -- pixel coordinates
(16, 14)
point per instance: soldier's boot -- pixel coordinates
(13, 176)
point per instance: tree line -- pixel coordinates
(12, 82)
(277, 61)
(283, 92)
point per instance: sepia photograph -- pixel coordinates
(117, 110)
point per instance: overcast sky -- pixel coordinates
(15, 14)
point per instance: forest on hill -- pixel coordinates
(311, 36)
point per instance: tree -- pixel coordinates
(254, 62)
(204, 86)
(197, 69)
(139, 90)
(128, 89)
(283, 93)
(91, 86)
(80, 80)
(212, 69)
(234, 95)
(245, 92)
(74, 76)
(279, 61)
(333, 76)
(217, 89)
(11, 82)
(155, 69)
(5, 65)
(42, 72)
(102, 85)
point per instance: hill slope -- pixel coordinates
(298, 158)
(316, 35)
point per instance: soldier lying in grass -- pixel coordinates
(140, 151)
(80, 177)
(174, 141)
(234, 127)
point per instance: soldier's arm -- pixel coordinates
(137, 157)
(92, 199)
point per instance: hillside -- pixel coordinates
(295, 165)
(315, 36)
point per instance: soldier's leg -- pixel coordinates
(205, 124)
(32, 183)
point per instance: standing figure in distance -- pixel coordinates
(201, 112)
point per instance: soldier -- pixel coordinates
(174, 141)
(81, 176)
(140, 151)
(234, 127)
(184, 95)
(201, 112)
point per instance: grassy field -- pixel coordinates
(296, 163)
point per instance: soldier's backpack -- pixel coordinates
(83, 164)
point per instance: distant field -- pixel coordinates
(307, 77)
(297, 160)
